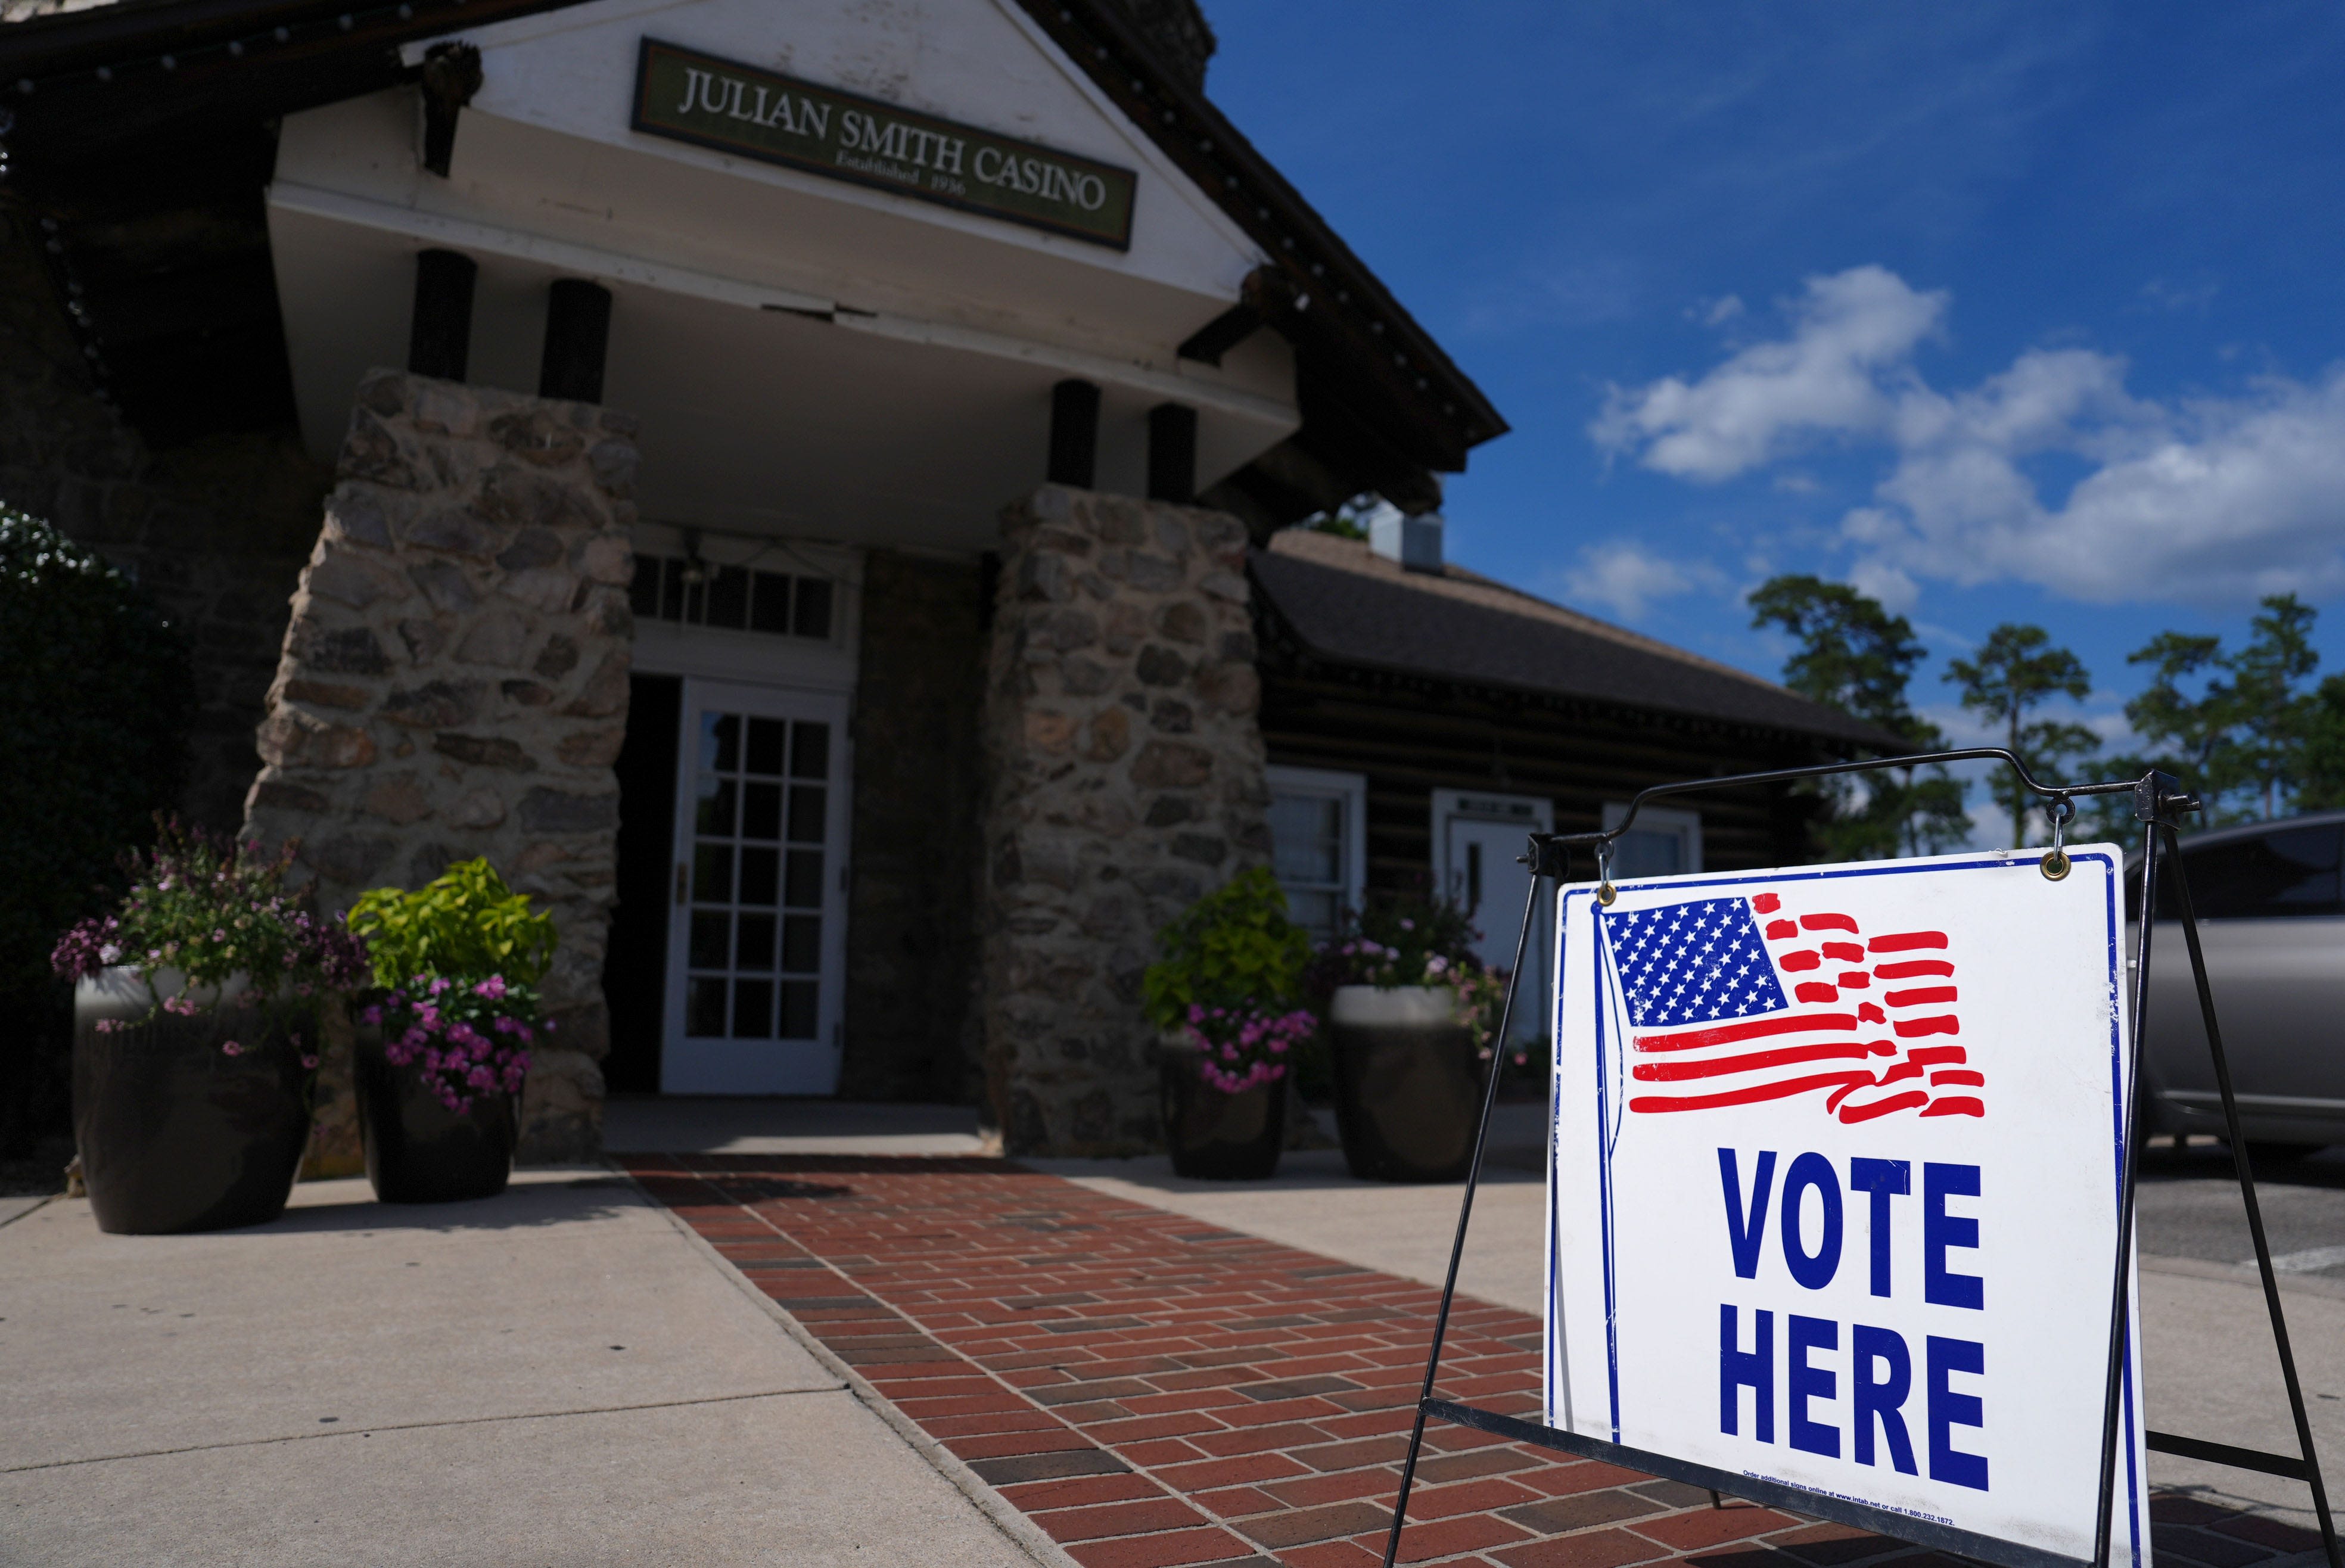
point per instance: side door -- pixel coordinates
(2271, 924)
(1478, 841)
(757, 949)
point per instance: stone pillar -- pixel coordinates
(454, 683)
(1124, 779)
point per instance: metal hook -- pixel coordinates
(1605, 892)
(2061, 811)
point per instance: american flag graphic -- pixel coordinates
(1869, 1023)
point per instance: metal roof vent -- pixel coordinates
(1414, 541)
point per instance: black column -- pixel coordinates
(1074, 434)
(441, 336)
(1173, 453)
(577, 331)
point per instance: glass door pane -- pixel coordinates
(757, 873)
(755, 957)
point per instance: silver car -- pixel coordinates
(2272, 921)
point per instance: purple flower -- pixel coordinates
(492, 988)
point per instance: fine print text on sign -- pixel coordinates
(736, 108)
(1834, 1200)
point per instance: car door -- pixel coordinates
(2271, 923)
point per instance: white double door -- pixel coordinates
(757, 934)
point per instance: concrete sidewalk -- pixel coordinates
(557, 1376)
(563, 1375)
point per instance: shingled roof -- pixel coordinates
(1346, 605)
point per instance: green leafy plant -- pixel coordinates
(212, 909)
(465, 923)
(1234, 947)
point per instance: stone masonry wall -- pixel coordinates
(215, 529)
(1125, 779)
(911, 954)
(454, 683)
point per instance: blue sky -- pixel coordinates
(2002, 311)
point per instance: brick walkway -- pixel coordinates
(1153, 1392)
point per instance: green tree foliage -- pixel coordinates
(465, 923)
(1233, 947)
(95, 694)
(1855, 656)
(2238, 726)
(2273, 719)
(2016, 672)
(1349, 521)
(2322, 784)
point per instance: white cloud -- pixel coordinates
(1626, 580)
(2217, 499)
(1898, 593)
(1851, 330)
(1722, 312)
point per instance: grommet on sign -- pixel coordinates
(1605, 892)
(2055, 865)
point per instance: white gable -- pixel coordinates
(920, 407)
(546, 147)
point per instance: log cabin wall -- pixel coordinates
(1411, 734)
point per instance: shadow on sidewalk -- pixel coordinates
(526, 1204)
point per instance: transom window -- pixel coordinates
(737, 598)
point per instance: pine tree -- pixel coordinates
(1855, 656)
(2016, 672)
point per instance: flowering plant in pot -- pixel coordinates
(1410, 1010)
(195, 1034)
(1225, 997)
(440, 1070)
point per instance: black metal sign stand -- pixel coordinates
(2159, 802)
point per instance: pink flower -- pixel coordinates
(230, 1048)
(492, 988)
(310, 1062)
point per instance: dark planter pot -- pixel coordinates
(1217, 1137)
(1407, 1087)
(417, 1149)
(175, 1134)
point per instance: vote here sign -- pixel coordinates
(1834, 1196)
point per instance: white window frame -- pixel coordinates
(1352, 789)
(1686, 825)
(720, 653)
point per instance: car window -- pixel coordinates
(2289, 871)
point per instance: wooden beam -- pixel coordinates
(1173, 453)
(439, 339)
(577, 334)
(1074, 434)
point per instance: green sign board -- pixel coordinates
(736, 108)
